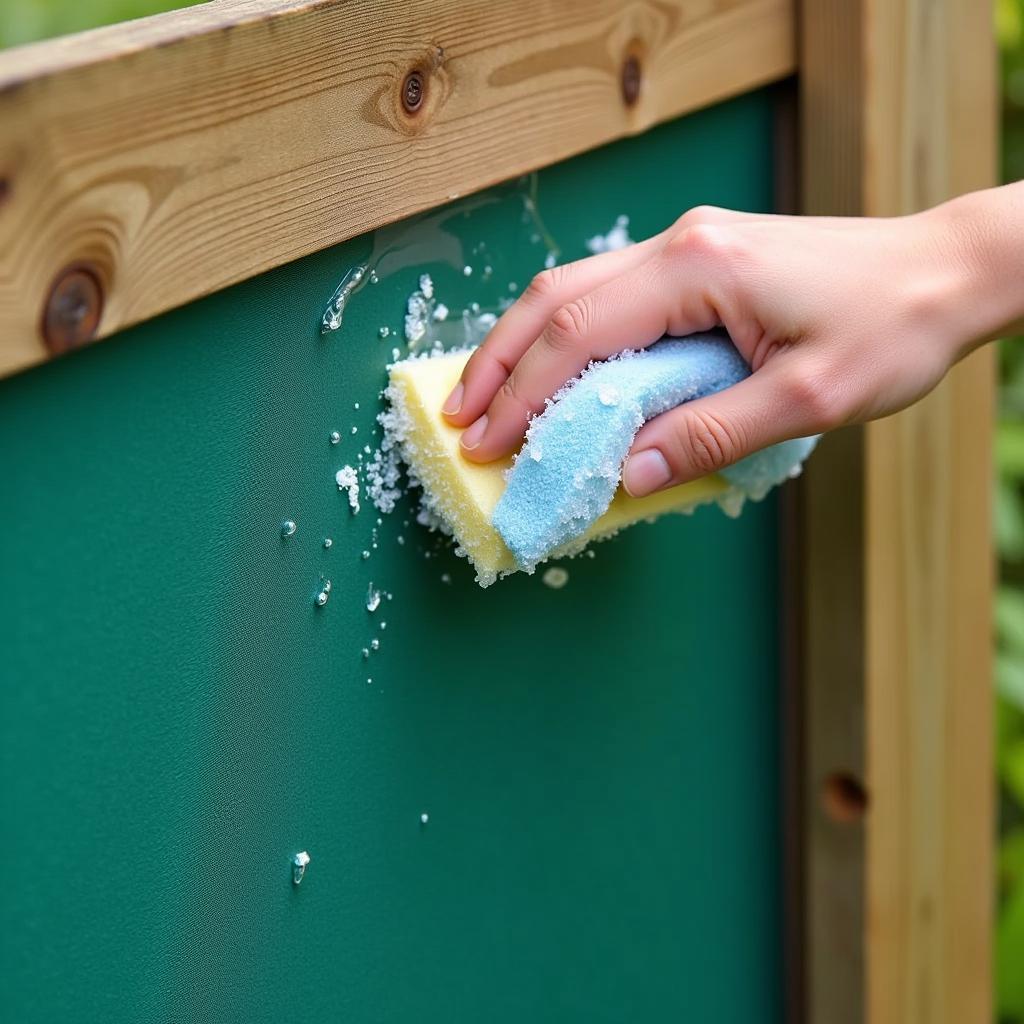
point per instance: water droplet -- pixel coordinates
(328, 542)
(401, 540)
(374, 644)
(383, 625)
(556, 577)
(288, 528)
(384, 332)
(446, 577)
(366, 555)
(372, 598)
(324, 593)
(356, 406)
(550, 260)
(336, 307)
(373, 277)
(488, 270)
(424, 818)
(512, 286)
(355, 430)
(369, 680)
(467, 270)
(366, 652)
(299, 864)
(335, 437)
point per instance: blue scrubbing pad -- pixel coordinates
(569, 468)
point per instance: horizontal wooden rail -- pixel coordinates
(147, 164)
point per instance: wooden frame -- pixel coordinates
(135, 176)
(899, 113)
(137, 157)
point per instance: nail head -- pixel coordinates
(414, 89)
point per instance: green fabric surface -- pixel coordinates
(599, 763)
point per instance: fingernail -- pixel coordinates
(453, 403)
(474, 433)
(645, 472)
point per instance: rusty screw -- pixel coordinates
(631, 76)
(414, 88)
(73, 309)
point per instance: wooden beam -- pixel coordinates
(930, 107)
(163, 159)
(832, 151)
(899, 114)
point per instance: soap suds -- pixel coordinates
(383, 476)
(347, 479)
(617, 238)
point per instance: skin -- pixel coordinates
(842, 320)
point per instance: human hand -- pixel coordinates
(840, 319)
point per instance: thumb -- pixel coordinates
(706, 435)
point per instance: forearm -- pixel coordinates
(981, 239)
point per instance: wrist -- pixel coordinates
(977, 248)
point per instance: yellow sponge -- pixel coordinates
(463, 494)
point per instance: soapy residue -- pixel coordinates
(616, 238)
(347, 479)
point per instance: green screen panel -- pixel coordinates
(598, 763)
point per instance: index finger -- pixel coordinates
(490, 365)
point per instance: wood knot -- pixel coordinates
(630, 79)
(844, 798)
(74, 305)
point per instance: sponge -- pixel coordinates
(569, 468)
(581, 438)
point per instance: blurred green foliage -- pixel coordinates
(1009, 530)
(23, 21)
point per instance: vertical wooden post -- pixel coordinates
(899, 113)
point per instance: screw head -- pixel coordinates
(630, 80)
(73, 309)
(414, 89)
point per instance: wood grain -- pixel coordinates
(931, 109)
(899, 115)
(832, 496)
(182, 153)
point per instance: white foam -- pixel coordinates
(616, 238)
(347, 479)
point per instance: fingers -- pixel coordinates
(706, 435)
(669, 293)
(489, 367)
